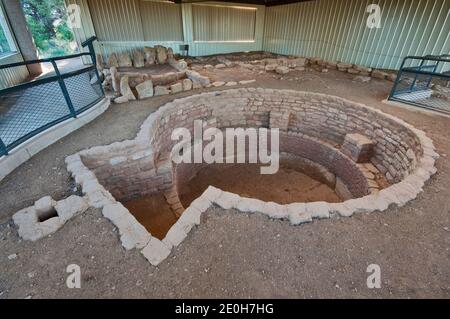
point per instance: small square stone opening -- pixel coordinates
(46, 214)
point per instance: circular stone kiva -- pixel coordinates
(350, 140)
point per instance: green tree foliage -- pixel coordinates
(4, 45)
(47, 20)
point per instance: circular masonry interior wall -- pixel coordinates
(370, 159)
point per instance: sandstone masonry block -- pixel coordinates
(138, 58)
(282, 70)
(187, 85)
(156, 251)
(318, 209)
(125, 60)
(176, 88)
(379, 74)
(161, 90)
(358, 147)
(125, 89)
(298, 214)
(70, 207)
(145, 90)
(279, 120)
(113, 61)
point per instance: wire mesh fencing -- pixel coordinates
(424, 82)
(30, 108)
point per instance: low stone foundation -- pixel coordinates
(312, 126)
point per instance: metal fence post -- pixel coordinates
(64, 90)
(3, 149)
(397, 79)
(90, 44)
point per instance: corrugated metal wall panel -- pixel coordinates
(161, 21)
(113, 18)
(12, 76)
(116, 20)
(201, 48)
(337, 30)
(136, 20)
(223, 23)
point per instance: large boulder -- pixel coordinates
(120, 100)
(170, 55)
(113, 61)
(115, 80)
(176, 88)
(362, 69)
(161, 90)
(135, 80)
(282, 70)
(164, 79)
(161, 54)
(198, 78)
(297, 62)
(145, 90)
(180, 65)
(379, 74)
(218, 84)
(187, 85)
(125, 89)
(125, 60)
(332, 65)
(150, 56)
(353, 71)
(392, 77)
(224, 60)
(138, 58)
(100, 63)
(344, 66)
(271, 67)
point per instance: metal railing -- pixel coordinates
(30, 108)
(424, 82)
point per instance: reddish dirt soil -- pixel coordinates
(286, 186)
(154, 213)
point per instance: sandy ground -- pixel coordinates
(233, 254)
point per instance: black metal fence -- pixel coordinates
(30, 108)
(424, 82)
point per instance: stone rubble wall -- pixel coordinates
(325, 162)
(323, 117)
(167, 84)
(127, 172)
(113, 71)
(330, 158)
(284, 64)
